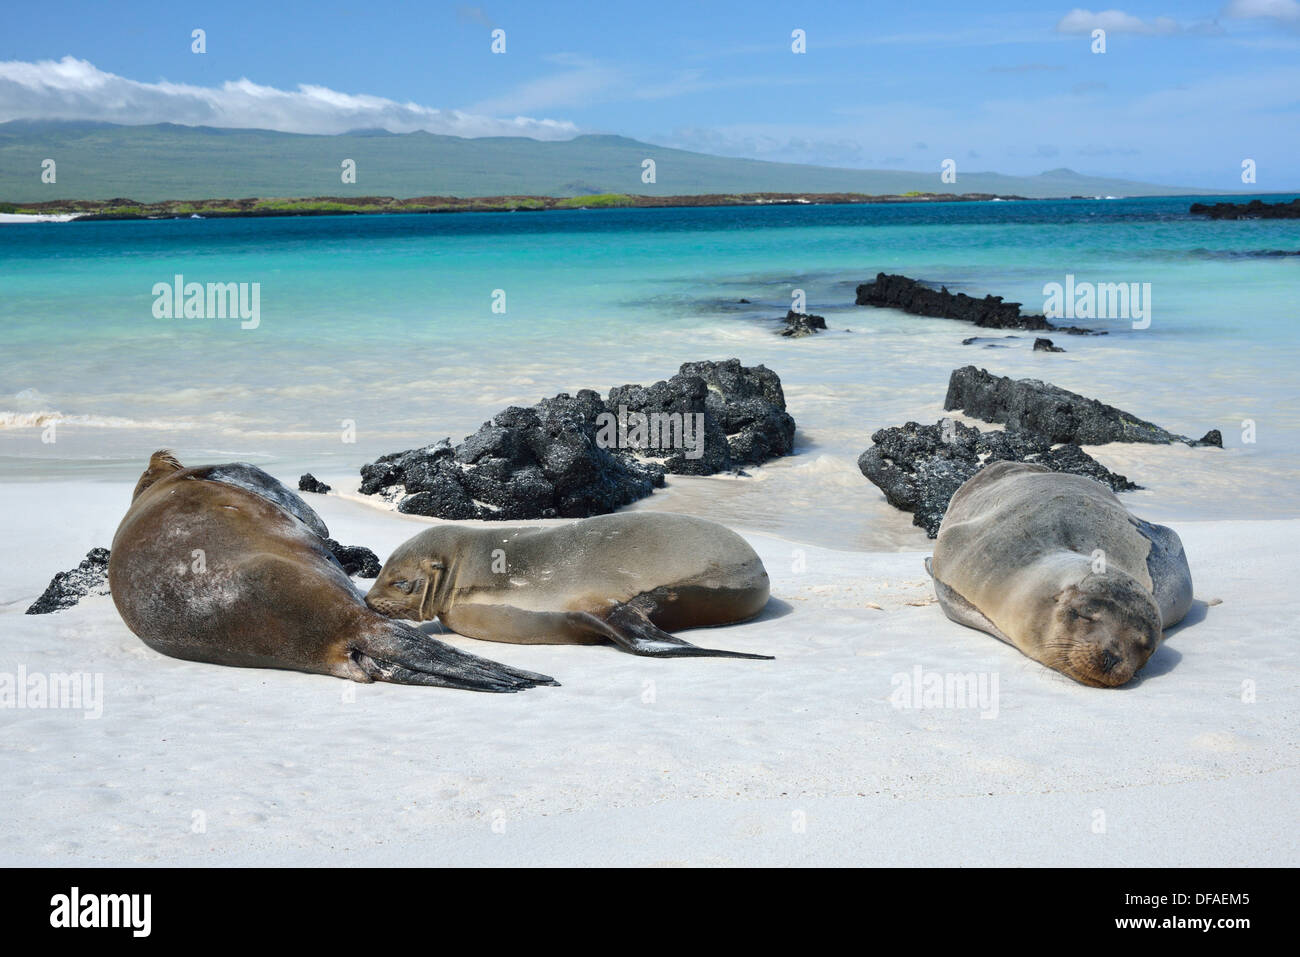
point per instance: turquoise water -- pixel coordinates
(387, 323)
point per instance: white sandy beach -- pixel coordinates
(13, 218)
(800, 760)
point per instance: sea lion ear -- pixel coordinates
(161, 463)
(431, 565)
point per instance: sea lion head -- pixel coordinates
(411, 585)
(1102, 630)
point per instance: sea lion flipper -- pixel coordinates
(630, 629)
(956, 607)
(400, 654)
(1171, 579)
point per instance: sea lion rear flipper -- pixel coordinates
(400, 654)
(1171, 579)
(631, 630)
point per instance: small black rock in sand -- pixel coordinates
(309, 483)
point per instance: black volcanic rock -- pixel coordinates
(576, 456)
(1255, 209)
(799, 324)
(67, 588)
(356, 559)
(1045, 345)
(920, 467)
(749, 403)
(309, 483)
(911, 296)
(1052, 412)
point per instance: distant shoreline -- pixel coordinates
(126, 209)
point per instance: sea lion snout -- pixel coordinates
(406, 589)
(392, 597)
(1100, 641)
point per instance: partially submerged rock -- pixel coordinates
(67, 588)
(1255, 209)
(920, 467)
(800, 324)
(1045, 345)
(917, 298)
(577, 456)
(1052, 412)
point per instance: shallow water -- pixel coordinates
(387, 323)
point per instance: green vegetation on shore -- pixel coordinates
(348, 205)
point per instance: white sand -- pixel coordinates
(801, 760)
(37, 217)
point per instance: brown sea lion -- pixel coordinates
(626, 578)
(1055, 565)
(222, 563)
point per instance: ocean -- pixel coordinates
(380, 333)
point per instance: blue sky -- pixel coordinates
(1183, 93)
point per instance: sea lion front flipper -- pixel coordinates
(956, 607)
(400, 654)
(630, 629)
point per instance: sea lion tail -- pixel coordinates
(400, 654)
(161, 463)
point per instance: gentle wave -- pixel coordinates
(39, 420)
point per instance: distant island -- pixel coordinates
(118, 209)
(46, 160)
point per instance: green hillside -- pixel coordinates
(165, 161)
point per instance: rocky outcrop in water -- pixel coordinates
(911, 296)
(576, 456)
(800, 324)
(67, 588)
(1052, 412)
(1255, 209)
(920, 467)
(1045, 345)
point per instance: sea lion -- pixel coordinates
(622, 578)
(222, 563)
(1055, 565)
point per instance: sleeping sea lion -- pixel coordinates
(1055, 565)
(222, 563)
(627, 578)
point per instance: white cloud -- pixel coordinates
(1114, 21)
(1284, 10)
(72, 89)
